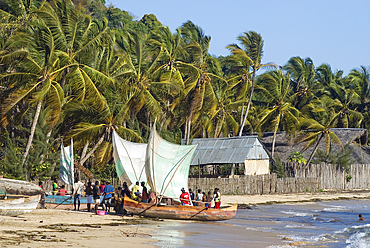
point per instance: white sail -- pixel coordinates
(66, 170)
(167, 165)
(129, 158)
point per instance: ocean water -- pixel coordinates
(319, 224)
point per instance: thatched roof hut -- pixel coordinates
(357, 137)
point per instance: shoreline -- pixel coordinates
(249, 200)
(51, 227)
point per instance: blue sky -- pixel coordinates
(327, 31)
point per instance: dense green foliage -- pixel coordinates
(78, 69)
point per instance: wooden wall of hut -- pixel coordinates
(299, 180)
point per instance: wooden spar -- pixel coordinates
(175, 172)
(132, 164)
(155, 188)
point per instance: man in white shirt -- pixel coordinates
(77, 193)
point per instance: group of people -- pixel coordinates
(139, 192)
(201, 198)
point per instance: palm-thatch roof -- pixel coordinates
(357, 138)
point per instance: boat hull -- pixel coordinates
(19, 187)
(64, 202)
(19, 206)
(179, 212)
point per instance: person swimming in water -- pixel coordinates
(360, 217)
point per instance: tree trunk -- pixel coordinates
(232, 169)
(188, 125)
(249, 102)
(32, 133)
(79, 165)
(47, 142)
(274, 140)
(84, 150)
(314, 150)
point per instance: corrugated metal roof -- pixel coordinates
(228, 150)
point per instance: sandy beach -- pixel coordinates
(66, 228)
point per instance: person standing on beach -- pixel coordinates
(89, 194)
(184, 197)
(108, 191)
(77, 193)
(101, 187)
(209, 199)
(144, 193)
(192, 196)
(217, 198)
(96, 196)
(199, 198)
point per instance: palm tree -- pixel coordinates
(168, 78)
(251, 52)
(320, 118)
(200, 69)
(360, 80)
(302, 72)
(36, 77)
(275, 91)
(135, 76)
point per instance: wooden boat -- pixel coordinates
(19, 187)
(179, 212)
(18, 206)
(64, 202)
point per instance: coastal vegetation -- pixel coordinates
(79, 70)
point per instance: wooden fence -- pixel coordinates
(299, 179)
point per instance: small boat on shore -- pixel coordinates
(179, 212)
(64, 202)
(18, 206)
(19, 187)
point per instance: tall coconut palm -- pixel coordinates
(302, 72)
(360, 80)
(168, 78)
(252, 52)
(319, 119)
(200, 68)
(136, 75)
(36, 77)
(275, 91)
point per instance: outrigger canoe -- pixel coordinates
(65, 202)
(18, 206)
(179, 212)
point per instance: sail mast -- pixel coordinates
(153, 174)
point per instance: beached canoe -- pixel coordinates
(64, 202)
(19, 187)
(179, 212)
(18, 206)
